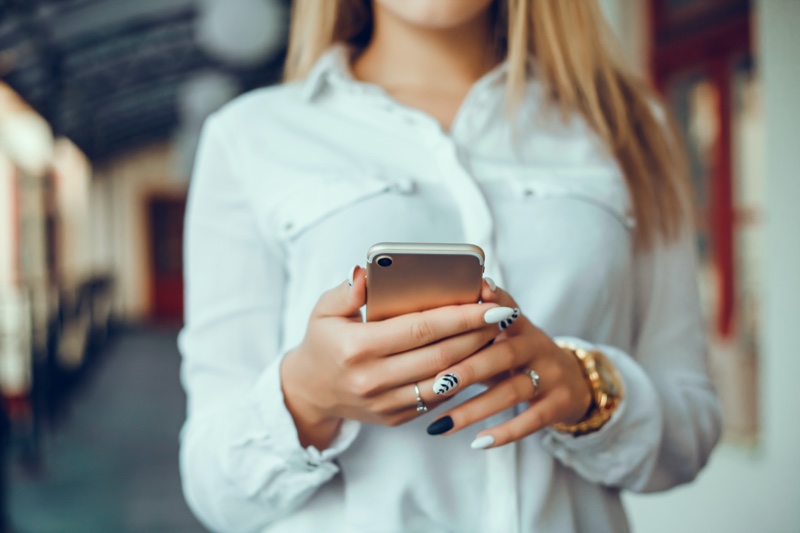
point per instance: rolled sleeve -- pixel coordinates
(242, 466)
(669, 421)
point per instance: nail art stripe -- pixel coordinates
(510, 320)
(445, 384)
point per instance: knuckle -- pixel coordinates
(440, 356)
(564, 396)
(353, 350)
(422, 331)
(465, 320)
(522, 388)
(507, 355)
(362, 384)
(510, 393)
(556, 374)
(467, 373)
(538, 419)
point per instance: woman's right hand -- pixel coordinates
(348, 369)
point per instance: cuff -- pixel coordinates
(268, 398)
(631, 435)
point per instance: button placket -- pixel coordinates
(476, 217)
(478, 224)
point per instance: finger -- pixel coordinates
(401, 400)
(496, 295)
(508, 393)
(491, 293)
(345, 299)
(407, 332)
(395, 375)
(485, 364)
(422, 364)
(535, 418)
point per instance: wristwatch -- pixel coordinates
(606, 388)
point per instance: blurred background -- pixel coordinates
(101, 102)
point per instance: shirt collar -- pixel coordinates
(333, 68)
(335, 62)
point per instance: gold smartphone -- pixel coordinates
(409, 277)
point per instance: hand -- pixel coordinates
(563, 395)
(345, 368)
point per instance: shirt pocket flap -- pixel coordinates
(311, 197)
(604, 188)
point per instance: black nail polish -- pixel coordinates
(440, 426)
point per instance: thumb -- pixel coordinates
(345, 299)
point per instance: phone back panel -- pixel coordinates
(423, 278)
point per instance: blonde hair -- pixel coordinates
(581, 67)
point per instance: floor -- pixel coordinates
(111, 465)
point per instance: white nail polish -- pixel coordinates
(481, 443)
(445, 383)
(492, 285)
(352, 275)
(497, 314)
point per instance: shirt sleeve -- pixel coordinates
(663, 432)
(242, 465)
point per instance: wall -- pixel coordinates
(759, 490)
(119, 214)
(7, 222)
(629, 20)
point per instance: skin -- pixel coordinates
(426, 54)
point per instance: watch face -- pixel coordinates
(608, 375)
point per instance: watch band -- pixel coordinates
(605, 385)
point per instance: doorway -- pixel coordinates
(165, 215)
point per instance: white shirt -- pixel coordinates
(294, 183)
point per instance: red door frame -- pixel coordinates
(164, 289)
(708, 34)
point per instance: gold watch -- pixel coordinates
(605, 384)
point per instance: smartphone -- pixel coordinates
(409, 277)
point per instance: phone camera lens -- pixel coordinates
(385, 261)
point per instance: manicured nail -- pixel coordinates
(497, 314)
(352, 275)
(481, 443)
(505, 323)
(438, 427)
(492, 285)
(445, 383)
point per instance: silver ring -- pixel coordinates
(421, 407)
(535, 380)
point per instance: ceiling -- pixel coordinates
(108, 73)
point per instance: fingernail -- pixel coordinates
(445, 383)
(492, 285)
(497, 314)
(481, 443)
(505, 323)
(438, 427)
(352, 275)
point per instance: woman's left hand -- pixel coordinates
(563, 394)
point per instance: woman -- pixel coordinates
(508, 124)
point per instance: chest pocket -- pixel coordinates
(311, 198)
(603, 188)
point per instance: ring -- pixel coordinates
(535, 380)
(421, 407)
